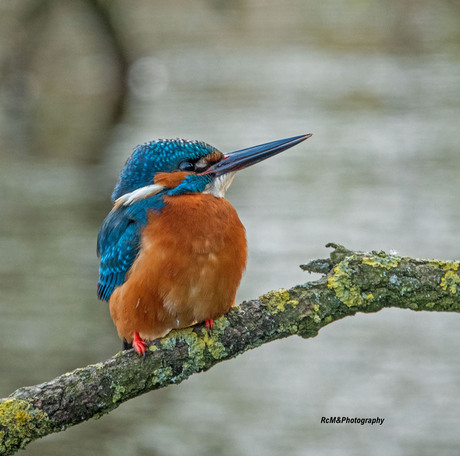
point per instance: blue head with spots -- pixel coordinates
(163, 155)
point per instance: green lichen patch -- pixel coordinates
(382, 260)
(315, 314)
(20, 423)
(450, 281)
(444, 265)
(199, 345)
(162, 376)
(169, 342)
(215, 348)
(340, 281)
(276, 301)
(118, 392)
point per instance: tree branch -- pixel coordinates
(352, 282)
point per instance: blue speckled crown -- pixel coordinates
(161, 155)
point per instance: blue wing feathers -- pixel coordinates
(118, 245)
(119, 242)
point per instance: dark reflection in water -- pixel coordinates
(377, 83)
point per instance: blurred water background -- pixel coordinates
(377, 83)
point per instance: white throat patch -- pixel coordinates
(220, 185)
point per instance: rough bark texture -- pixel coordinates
(352, 282)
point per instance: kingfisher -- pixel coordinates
(173, 249)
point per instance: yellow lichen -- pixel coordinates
(20, 423)
(276, 301)
(453, 265)
(382, 260)
(445, 265)
(198, 345)
(340, 282)
(215, 347)
(450, 281)
(14, 412)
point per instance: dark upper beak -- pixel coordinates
(240, 159)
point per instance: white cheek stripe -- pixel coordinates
(138, 194)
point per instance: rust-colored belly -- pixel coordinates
(191, 262)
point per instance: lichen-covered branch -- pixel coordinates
(352, 282)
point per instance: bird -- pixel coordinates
(172, 249)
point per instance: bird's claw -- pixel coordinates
(209, 325)
(139, 345)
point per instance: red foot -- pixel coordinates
(139, 345)
(209, 324)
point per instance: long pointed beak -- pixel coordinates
(240, 159)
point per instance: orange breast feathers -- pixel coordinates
(189, 267)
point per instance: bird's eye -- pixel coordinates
(186, 166)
